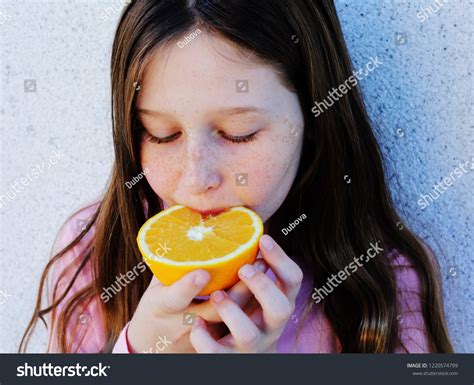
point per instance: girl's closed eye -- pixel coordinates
(166, 139)
(239, 139)
(176, 135)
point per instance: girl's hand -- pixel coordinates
(259, 331)
(158, 326)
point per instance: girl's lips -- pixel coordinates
(202, 212)
(211, 212)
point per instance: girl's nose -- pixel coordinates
(201, 169)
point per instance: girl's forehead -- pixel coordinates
(218, 49)
(208, 74)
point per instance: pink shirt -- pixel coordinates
(316, 335)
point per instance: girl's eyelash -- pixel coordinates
(231, 138)
(240, 139)
(155, 139)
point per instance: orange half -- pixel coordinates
(178, 240)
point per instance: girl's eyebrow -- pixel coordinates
(229, 111)
(150, 112)
(232, 111)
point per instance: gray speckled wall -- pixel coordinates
(54, 108)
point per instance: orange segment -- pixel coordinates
(178, 240)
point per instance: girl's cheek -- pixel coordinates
(268, 165)
(273, 175)
(163, 170)
(262, 173)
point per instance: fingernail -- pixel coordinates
(217, 296)
(200, 279)
(267, 242)
(260, 266)
(247, 271)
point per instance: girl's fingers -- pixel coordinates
(202, 340)
(178, 296)
(227, 341)
(276, 306)
(244, 331)
(286, 270)
(239, 293)
(257, 318)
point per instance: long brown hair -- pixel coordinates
(343, 218)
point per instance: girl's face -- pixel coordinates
(220, 130)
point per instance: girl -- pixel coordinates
(214, 106)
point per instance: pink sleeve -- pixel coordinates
(86, 329)
(412, 333)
